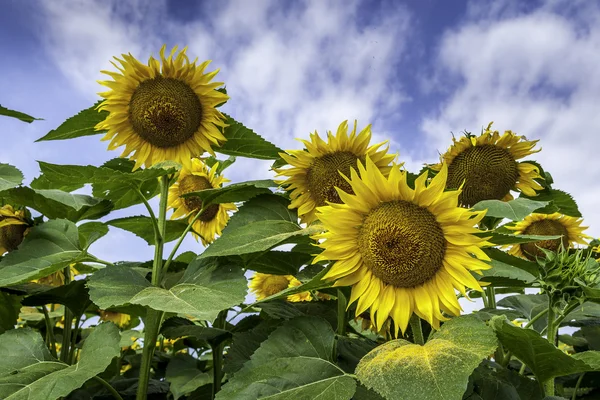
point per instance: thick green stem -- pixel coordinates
(417, 330)
(74, 340)
(341, 309)
(153, 317)
(491, 295)
(50, 332)
(66, 338)
(217, 358)
(551, 336)
(109, 387)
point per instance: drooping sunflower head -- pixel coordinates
(57, 278)
(162, 111)
(194, 179)
(402, 250)
(487, 168)
(316, 171)
(118, 319)
(548, 225)
(13, 228)
(265, 285)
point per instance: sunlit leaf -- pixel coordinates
(515, 210)
(10, 177)
(17, 114)
(244, 142)
(141, 226)
(233, 193)
(78, 125)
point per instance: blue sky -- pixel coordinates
(415, 70)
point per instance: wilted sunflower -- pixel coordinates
(265, 285)
(119, 319)
(13, 228)
(315, 171)
(402, 250)
(488, 168)
(547, 225)
(162, 112)
(193, 179)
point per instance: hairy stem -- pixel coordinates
(66, 338)
(341, 309)
(551, 336)
(154, 317)
(417, 330)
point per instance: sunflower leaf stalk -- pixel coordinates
(154, 317)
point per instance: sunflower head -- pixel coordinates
(265, 285)
(164, 110)
(13, 228)
(318, 169)
(193, 179)
(548, 225)
(486, 166)
(402, 250)
(118, 319)
(57, 278)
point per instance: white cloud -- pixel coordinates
(535, 73)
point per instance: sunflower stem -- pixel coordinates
(341, 309)
(180, 240)
(574, 397)
(50, 332)
(417, 330)
(551, 336)
(217, 353)
(108, 387)
(150, 211)
(66, 338)
(154, 317)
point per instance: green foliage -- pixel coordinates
(82, 124)
(501, 239)
(9, 177)
(515, 210)
(263, 207)
(73, 295)
(440, 369)
(17, 114)
(184, 375)
(141, 226)
(28, 370)
(561, 202)
(9, 311)
(233, 193)
(244, 142)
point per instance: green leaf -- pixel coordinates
(438, 370)
(18, 115)
(316, 283)
(82, 124)
(233, 193)
(184, 376)
(10, 177)
(141, 226)
(500, 239)
(561, 200)
(245, 343)
(504, 384)
(207, 287)
(279, 262)
(502, 274)
(9, 311)
(90, 232)
(177, 327)
(73, 295)
(115, 286)
(293, 363)
(525, 265)
(515, 210)
(542, 357)
(264, 207)
(529, 305)
(58, 204)
(223, 164)
(256, 236)
(29, 372)
(47, 248)
(243, 142)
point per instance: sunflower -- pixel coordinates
(488, 168)
(265, 285)
(13, 228)
(317, 170)
(162, 112)
(57, 278)
(119, 319)
(193, 179)
(547, 225)
(402, 250)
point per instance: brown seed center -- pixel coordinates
(274, 284)
(402, 243)
(547, 227)
(323, 176)
(165, 112)
(489, 173)
(194, 183)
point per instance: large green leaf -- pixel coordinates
(502, 274)
(529, 305)
(515, 210)
(501, 239)
(315, 283)
(46, 249)
(502, 256)
(184, 376)
(245, 343)
(17, 114)
(278, 262)
(438, 370)
(115, 286)
(79, 125)
(73, 295)
(9, 177)
(177, 327)
(503, 384)
(233, 193)
(562, 202)
(542, 357)
(244, 142)
(54, 203)
(207, 287)
(264, 207)
(90, 232)
(29, 372)
(293, 363)
(141, 226)
(257, 236)
(9, 311)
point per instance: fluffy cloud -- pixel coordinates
(535, 72)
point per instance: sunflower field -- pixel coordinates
(343, 277)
